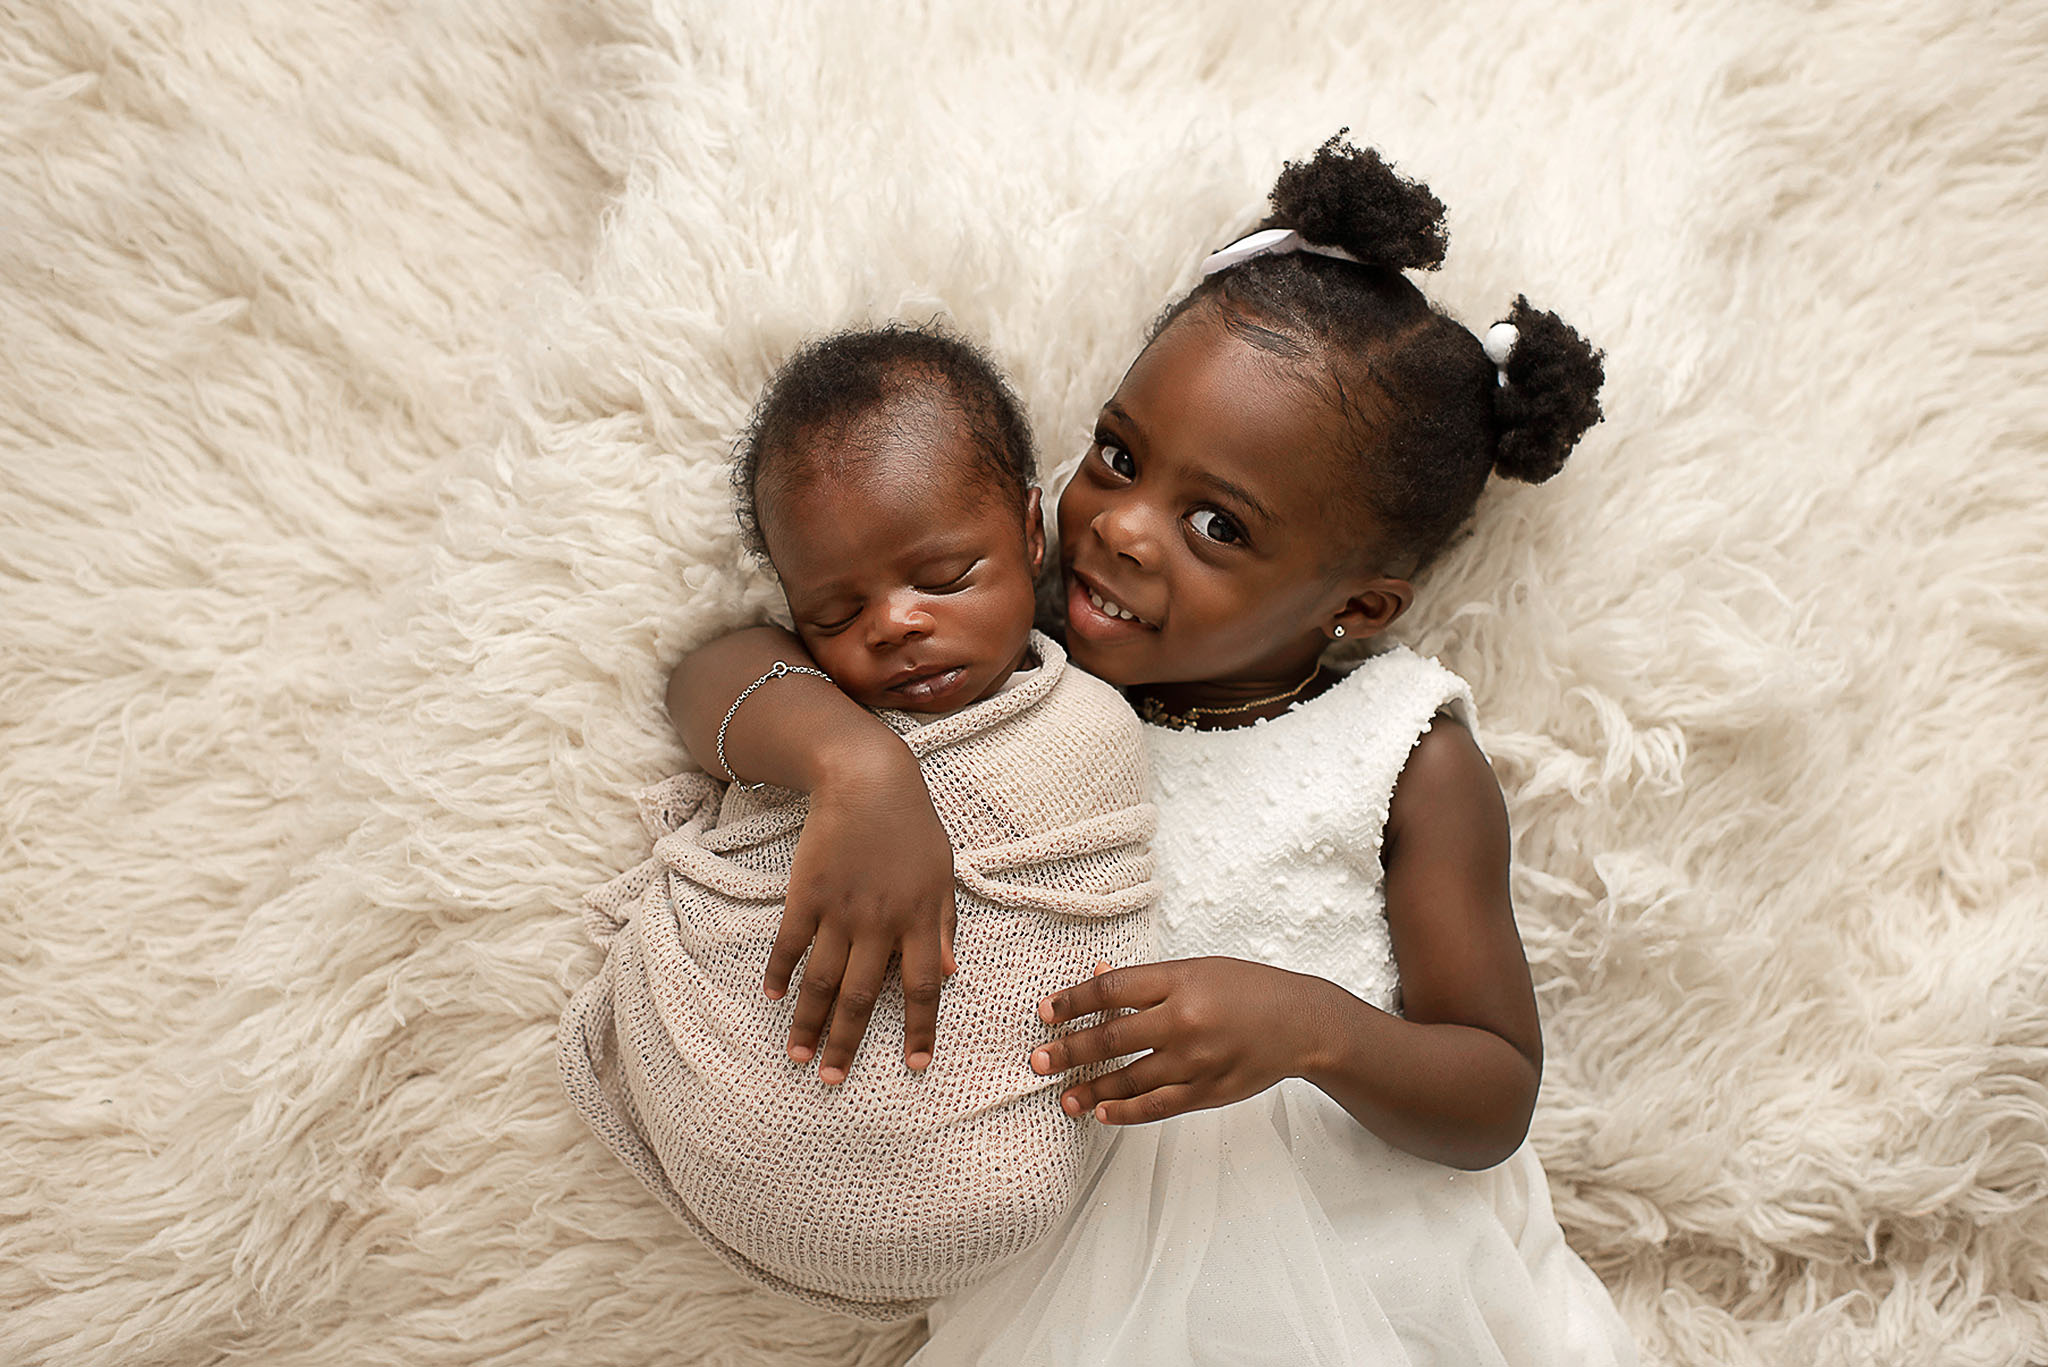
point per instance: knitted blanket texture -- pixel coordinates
(368, 388)
(872, 1197)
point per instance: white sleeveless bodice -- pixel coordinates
(1269, 835)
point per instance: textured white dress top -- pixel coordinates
(1279, 1229)
(1304, 796)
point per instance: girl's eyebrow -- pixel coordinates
(1113, 409)
(1227, 488)
(1238, 492)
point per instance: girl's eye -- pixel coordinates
(839, 625)
(1215, 526)
(1117, 459)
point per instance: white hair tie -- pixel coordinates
(1268, 242)
(1500, 344)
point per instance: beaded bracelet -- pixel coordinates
(781, 668)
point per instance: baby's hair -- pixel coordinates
(1427, 414)
(824, 391)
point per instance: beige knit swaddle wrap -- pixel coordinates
(876, 1196)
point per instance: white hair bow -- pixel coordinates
(1500, 344)
(1268, 242)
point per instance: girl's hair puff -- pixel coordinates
(1427, 415)
(824, 391)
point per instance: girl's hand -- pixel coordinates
(1217, 1030)
(871, 880)
(872, 876)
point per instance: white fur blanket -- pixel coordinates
(367, 381)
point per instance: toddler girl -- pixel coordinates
(1345, 1051)
(887, 476)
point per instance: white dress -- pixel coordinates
(1280, 1230)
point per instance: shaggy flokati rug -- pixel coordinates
(367, 377)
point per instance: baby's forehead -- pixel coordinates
(900, 506)
(913, 445)
(905, 487)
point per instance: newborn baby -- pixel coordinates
(888, 477)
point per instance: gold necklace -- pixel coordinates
(1152, 710)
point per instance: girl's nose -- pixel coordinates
(1130, 533)
(903, 618)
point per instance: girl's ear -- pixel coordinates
(1370, 610)
(1034, 528)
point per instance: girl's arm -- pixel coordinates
(1454, 1081)
(872, 876)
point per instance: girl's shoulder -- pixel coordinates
(1379, 713)
(1396, 688)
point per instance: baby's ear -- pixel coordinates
(1034, 528)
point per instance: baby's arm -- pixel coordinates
(872, 876)
(1454, 1081)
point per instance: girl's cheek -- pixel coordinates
(1067, 513)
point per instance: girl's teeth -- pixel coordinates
(1110, 609)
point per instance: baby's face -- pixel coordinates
(909, 578)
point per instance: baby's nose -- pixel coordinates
(905, 618)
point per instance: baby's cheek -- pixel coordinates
(831, 655)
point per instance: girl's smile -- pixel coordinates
(1207, 540)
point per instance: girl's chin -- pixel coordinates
(1107, 663)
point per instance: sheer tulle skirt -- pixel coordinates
(1280, 1230)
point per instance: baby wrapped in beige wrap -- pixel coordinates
(897, 1187)
(907, 565)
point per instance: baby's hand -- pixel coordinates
(1217, 1031)
(871, 880)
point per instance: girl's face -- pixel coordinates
(908, 575)
(1210, 509)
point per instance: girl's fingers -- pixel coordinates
(949, 921)
(852, 1005)
(923, 975)
(1175, 1098)
(1114, 1038)
(822, 973)
(1118, 989)
(799, 927)
(1137, 1078)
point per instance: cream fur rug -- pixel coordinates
(366, 381)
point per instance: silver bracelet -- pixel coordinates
(781, 668)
